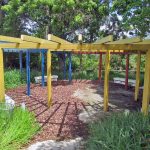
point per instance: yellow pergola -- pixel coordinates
(107, 45)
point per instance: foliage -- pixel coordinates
(120, 132)
(68, 18)
(17, 130)
(92, 18)
(41, 17)
(13, 77)
(134, 14)
(89, 69)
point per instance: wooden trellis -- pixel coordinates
(104, 45)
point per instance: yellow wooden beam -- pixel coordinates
(49, 84)
(8, 45)
(126, 44)
(79, 47)
(10, 39)
(137, 76)
(146, 92)
(130, 47)
(106, 81)
(29, 45)
(54, 38)
(144, 42)
(104, 40)
(2, 89)
(127, 41)
(96, 47)
(22, 45)
(36, 40)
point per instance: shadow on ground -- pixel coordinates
(61, 121)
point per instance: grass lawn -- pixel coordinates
(120, 132)
(17, 129)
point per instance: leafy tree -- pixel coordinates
(135, 16)
(67, 18)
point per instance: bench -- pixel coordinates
(118, 80)
(39, 78)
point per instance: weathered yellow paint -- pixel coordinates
(127, 41)
(20, 45)
(54, 38)
(96, 47)
(147, 41)
(78, 47)
(10, 39)
(2, 89)
(36, 40)
(137, 76)
(106, 80)
(49, 84)
(146, 92)
(104, 40)
(29, 45)
(8, 45)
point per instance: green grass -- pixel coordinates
(17, 129)
(120, 132)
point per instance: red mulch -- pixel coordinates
(60, 121)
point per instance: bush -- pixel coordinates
(13, 77)
(17, 130)
(120, 132)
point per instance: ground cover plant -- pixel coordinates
(17, 129)
(120, 132)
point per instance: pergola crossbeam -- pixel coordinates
(10, 39)
(54, 38)
(104, 40)
(78, 47)
(8, 45)
(36, 40)
(144, 42)
(127, 41)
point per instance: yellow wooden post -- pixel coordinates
(137, 77)
(106, 80)
(49, 84)
(2, 89)
(146, 92)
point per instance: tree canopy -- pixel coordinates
(67, 18)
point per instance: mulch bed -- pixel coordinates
(60, 121)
